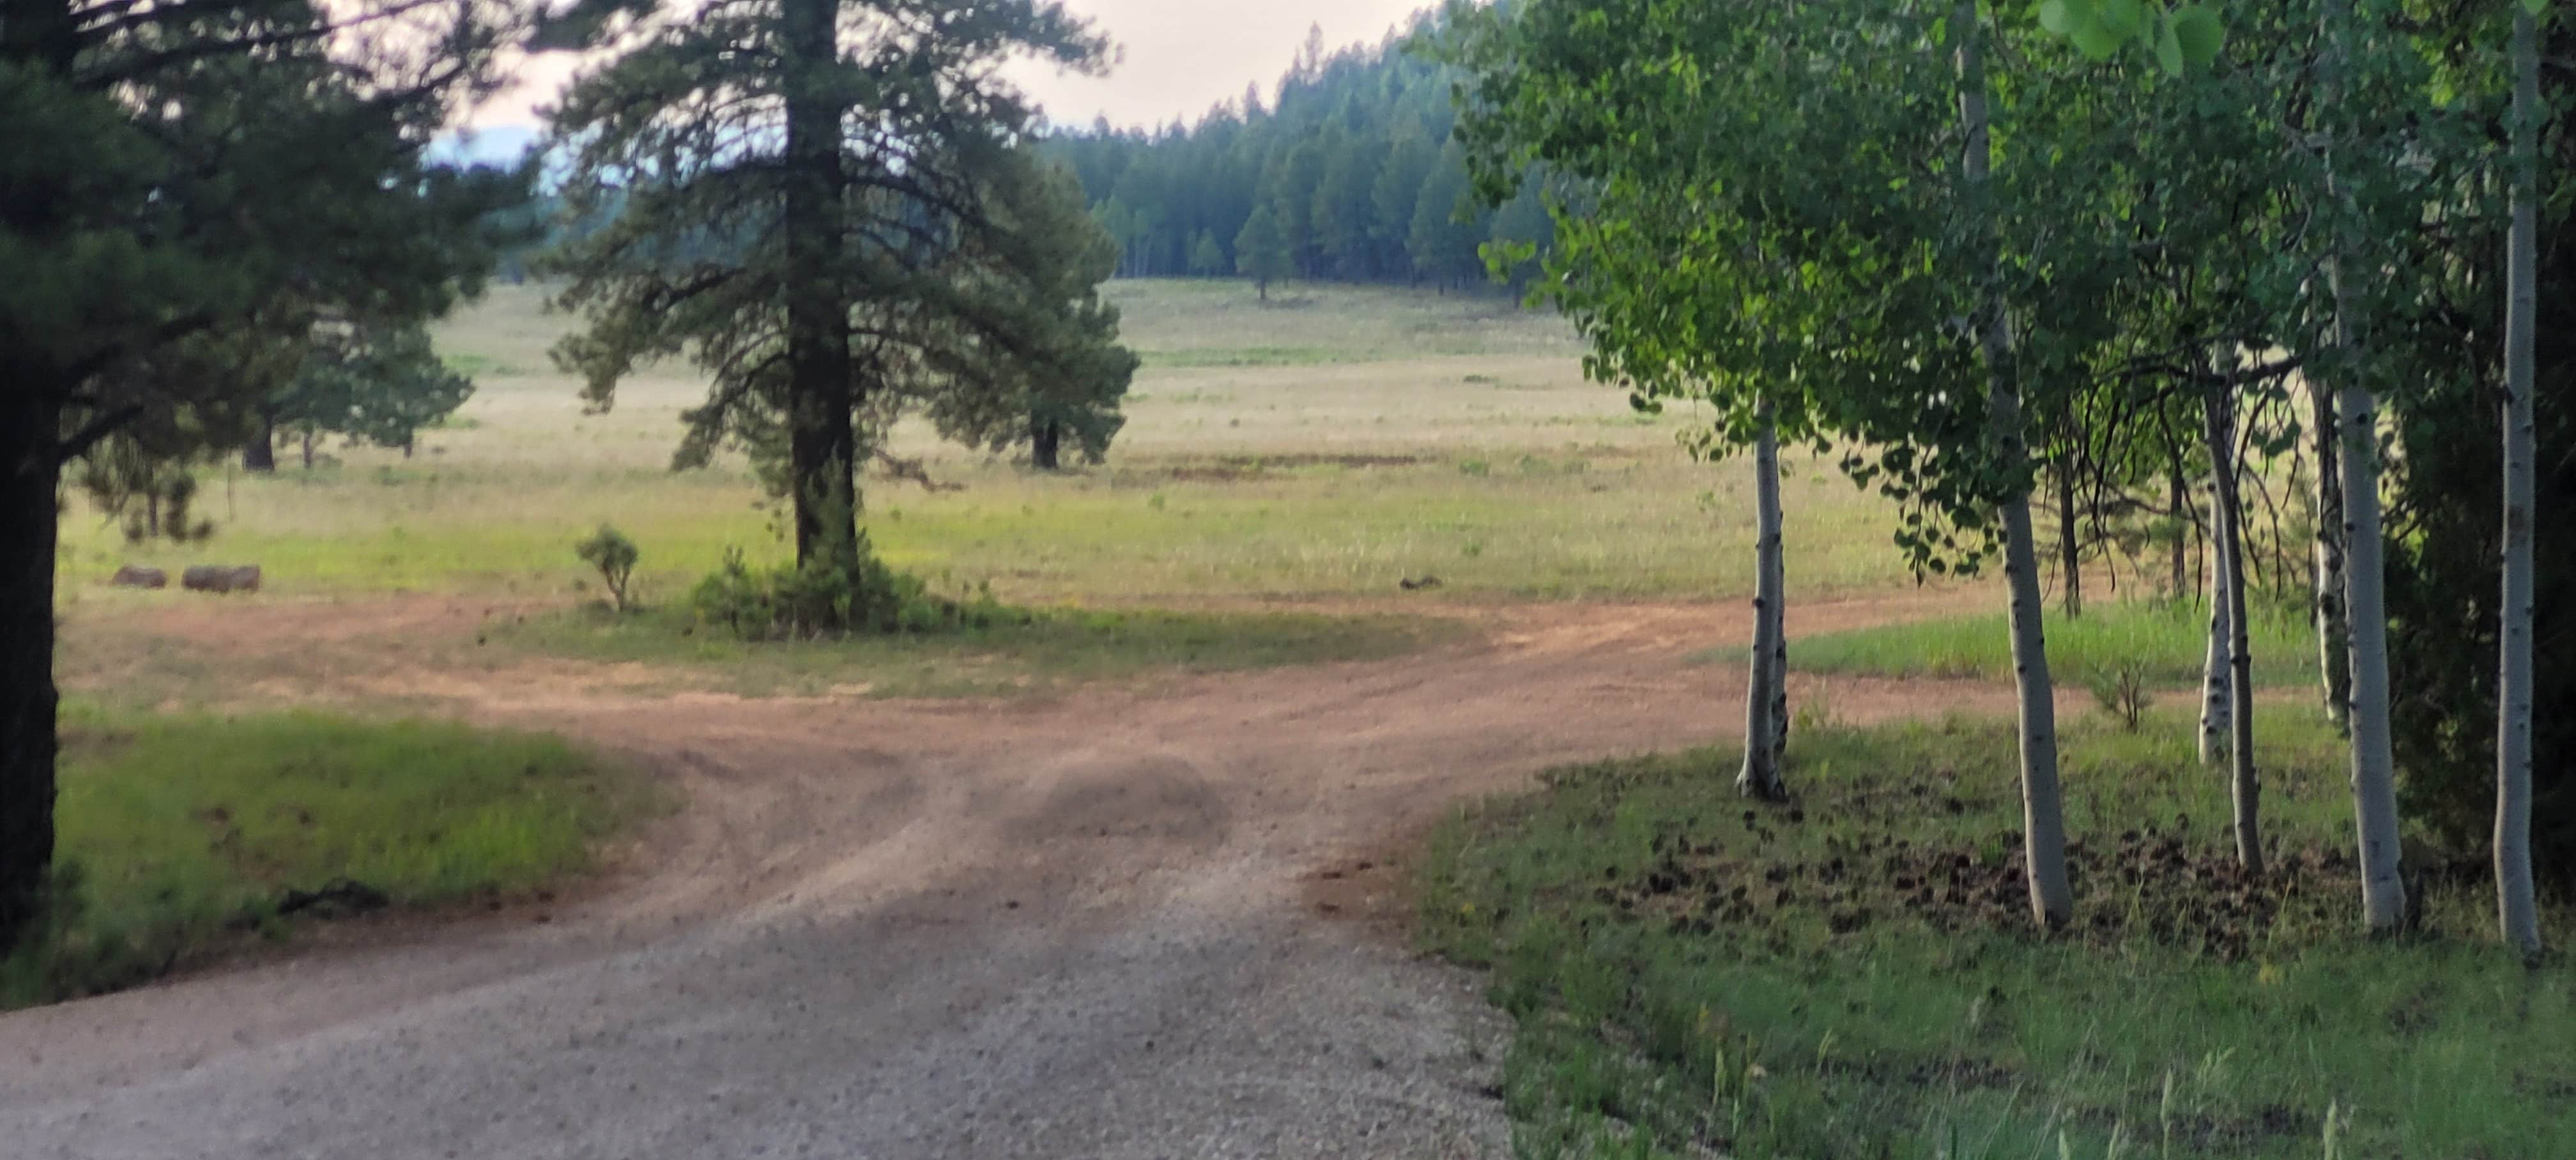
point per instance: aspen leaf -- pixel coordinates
(2169, 49)
(2123, 17)
(2054, 16)
(2096, 40)
(2199, 32)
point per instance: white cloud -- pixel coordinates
(1181, 56)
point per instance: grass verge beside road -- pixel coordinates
(185, 836)
(1856, 974)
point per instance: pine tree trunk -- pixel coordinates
(1766, 687)
(29, 469)
(259, 452)
(2334, 629)
(2227, 527)
(2517, 916)
(2052, 904)
(822, 444)
(2374, 780)
(1046, 441)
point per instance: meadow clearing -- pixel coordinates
(1685, 973)
(1322, 446)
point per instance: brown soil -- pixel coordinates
(1081, 924)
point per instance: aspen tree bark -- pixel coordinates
(2052, 903)
(2374, 780)
(2227, 522)
(1766, 698)
(2517, 916)
(2215, 698)
(2334, 628)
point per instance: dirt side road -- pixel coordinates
(1077, 927)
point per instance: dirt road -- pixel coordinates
(1147, 922)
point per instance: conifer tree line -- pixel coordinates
(2234, 299)
(1347, 171)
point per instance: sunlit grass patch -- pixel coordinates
(1013, 650)
(2161, 643)
(1856, 974)
(181, 835)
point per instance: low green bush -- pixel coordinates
(822, 598)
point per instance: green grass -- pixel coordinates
(1688, 971)
(179, 835)
(2163, 643)
(1050, 649)
(1318, 448)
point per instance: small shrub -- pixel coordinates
(821, 598)
(609, 551)
(1475, 467)
(2121, 691)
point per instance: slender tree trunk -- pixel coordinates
(2217, 698)
(2334, 629)
(2182, 534)
(29, 468)
(822, 444)
(2374, 779)
(2070, 545)
(2245, 787)
(308, 448)
(259, 452)
(1046, 441)
(2052, 904)
(2517, 916)
(1766, 688)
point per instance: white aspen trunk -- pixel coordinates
(2052, 904)
(1766, 687)
(2215, 699)
(2334, 629)
(2518, 918)
(2227, 522)
(2374, 777)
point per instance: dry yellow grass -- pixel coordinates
(1322, 447)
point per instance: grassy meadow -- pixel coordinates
(1856, 974)
(1320, 447)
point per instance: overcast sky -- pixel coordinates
(1181, 57)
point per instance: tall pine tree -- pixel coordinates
(873, 169)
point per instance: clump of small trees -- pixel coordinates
(2139, 255)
